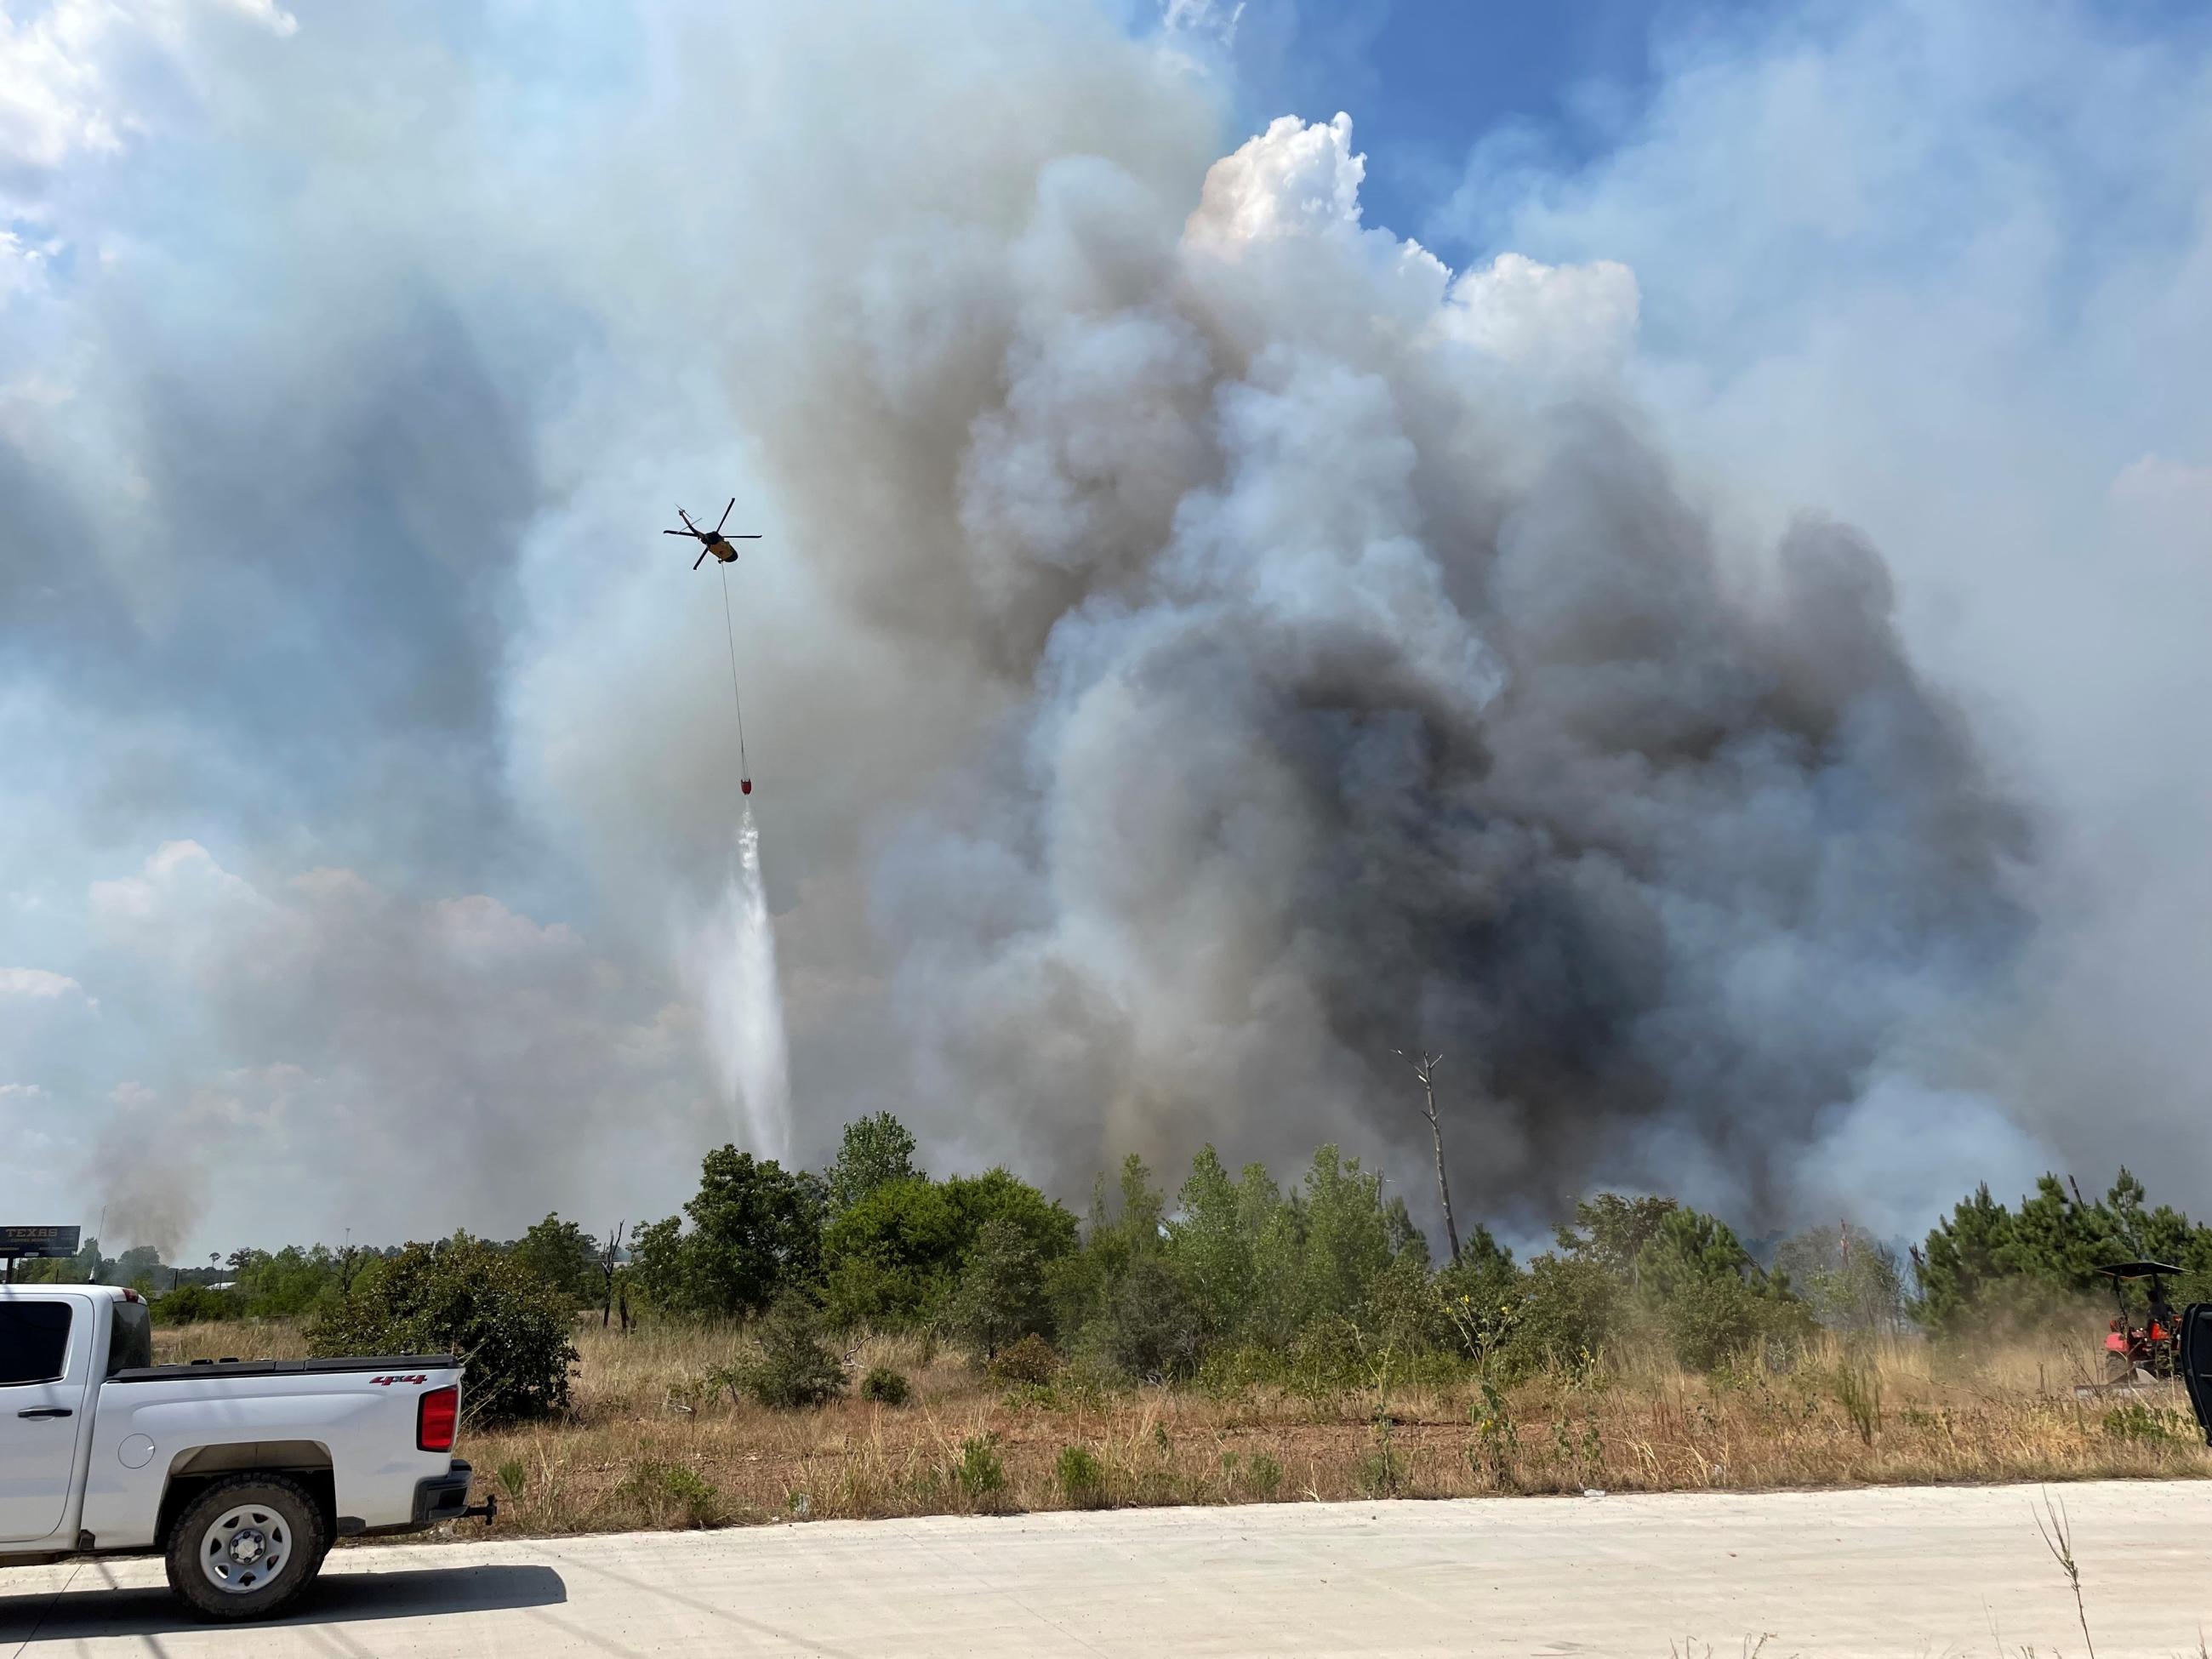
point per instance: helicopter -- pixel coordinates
(715, 542)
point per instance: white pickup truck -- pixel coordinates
(243, 1474)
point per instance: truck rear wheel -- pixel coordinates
(246, 1546)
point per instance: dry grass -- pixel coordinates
(647, 1445)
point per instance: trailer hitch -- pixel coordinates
(487, 1511)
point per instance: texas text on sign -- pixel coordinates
(38, 1241)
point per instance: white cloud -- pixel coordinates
(22, 1094)
(73, 73)
(176, 875)
(1216, 19)
(42, 985)
(54, 94)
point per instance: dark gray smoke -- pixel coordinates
(1369, 684)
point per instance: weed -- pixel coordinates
(511, 1477)
(1264, 1475)
(1383, 1470)
(1082, 1477)
(1496, 1440)
(1859, 1393)
(2058, 1539)
(674, 1490)
(2135, 1421)
(980, 1470)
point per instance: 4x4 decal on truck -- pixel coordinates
(386, 1381)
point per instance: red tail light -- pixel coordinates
(435, 1418)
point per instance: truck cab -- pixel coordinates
(242, 1474)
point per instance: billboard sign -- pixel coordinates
(38, 1241)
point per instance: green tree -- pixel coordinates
(564, 1255)
(1850, 1280)
(1213, 1240)
(288, 1283)
(875, 1151)
(1611, 1231)
(1000, 1297)
(1964, 1259)
(1153, 1329)
(1082, 1285)
(660, 1269)
(1571, 1305)
(1350, 1236)
(891, 1257)
(1694, 1278)
(756, 1232)
(998, 1195)
(139, 1266)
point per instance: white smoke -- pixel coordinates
(731, 961)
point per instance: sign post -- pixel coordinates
(46, 1242)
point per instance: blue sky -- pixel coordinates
(350, 358)
(1425, 79)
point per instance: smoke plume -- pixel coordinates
(1696, 663)
(1371, 683)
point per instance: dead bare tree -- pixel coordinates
(1424, 1068)
(608, 1254)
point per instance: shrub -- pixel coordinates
(885, 1387)
(1081, 1477)
(981, 1472)
(190, 1304)
(794, 1368)
(1030, 1360)
(2137, 1422)
(667, 1487)
(508, 1328)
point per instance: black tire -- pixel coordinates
(281, 1513)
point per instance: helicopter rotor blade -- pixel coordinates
(679, 532)
(753, 536)
(702, 559)
(724, 518)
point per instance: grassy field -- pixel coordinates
(649, 1445)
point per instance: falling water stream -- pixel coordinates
(743, 1001)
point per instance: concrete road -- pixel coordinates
(1951, 1571)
